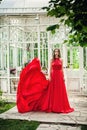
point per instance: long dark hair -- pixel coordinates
(59, 55)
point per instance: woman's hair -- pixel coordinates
(59, 55)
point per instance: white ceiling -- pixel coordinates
(23, 3)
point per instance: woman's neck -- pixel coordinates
(56, 57)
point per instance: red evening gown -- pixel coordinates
(36, 93)
(57, 95)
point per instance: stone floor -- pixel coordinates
(55, 121)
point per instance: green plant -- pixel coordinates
(84, 127)
(6, 124)
(0, 93)
(4, 106)
(73, 14)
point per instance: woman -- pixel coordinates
(36, 93)
(57, 95)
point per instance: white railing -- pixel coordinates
(85, 83)
(18, 11)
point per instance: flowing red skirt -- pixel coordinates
(32, 87)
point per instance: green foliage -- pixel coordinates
(84, 127)
(52, 28)
(77, 39)
(72, 13)
(75, 58)
(4, 106)
(0, 93)
(18, 125)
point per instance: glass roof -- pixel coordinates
(23, 3)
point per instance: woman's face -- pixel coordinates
(56, 52)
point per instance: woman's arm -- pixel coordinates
(62, 69)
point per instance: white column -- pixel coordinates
(24, 56)
(38, 30)
(71, 57)
(49, 53)
(85, 76)
(1, 56)
(45, 56)
(8, 67)
(81, 67)
(15, 57)
(3, 72)
(65, 62)
(86, 56)
(64, 55)
(42, 54)
(32, 50)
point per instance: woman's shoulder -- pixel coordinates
(61, 59)
(51, 60)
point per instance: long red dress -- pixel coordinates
(36, 93)
(57, 95)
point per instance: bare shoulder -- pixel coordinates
(61, 59)
(51, 60)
